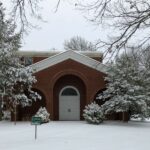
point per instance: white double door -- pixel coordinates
(69, 107)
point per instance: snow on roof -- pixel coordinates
(76, 56)
(51, 53)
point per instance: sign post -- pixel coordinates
(35, 131)
(36, 121)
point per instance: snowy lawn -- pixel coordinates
(70, 135)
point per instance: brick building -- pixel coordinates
(66, 81)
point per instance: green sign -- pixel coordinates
(36, 120)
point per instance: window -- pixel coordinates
(69, 92)
(26, 61)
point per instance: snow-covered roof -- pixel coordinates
(93, 54)
(76, 56)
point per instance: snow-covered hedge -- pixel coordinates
(6, 115)
(93, 113)
(42, 112)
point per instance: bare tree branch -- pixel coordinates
(58, 3)
(24, 9)
(126, 18)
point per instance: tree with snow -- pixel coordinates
(79, 44)
(126, 91)
(15, 79)
(144, 61)
(21, 92)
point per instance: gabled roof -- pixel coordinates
(48, 53)
(53, 60)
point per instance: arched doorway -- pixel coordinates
(61, 86)
(69, 103)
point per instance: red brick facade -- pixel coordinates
(51, 80)
(68, 69)
(68, 72)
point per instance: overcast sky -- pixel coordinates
(62, 25)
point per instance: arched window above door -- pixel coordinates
(69, 92)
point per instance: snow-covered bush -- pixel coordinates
(42, 112)
(6, 115)
(93, 113)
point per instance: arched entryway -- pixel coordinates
(65, 87)
(69, 103)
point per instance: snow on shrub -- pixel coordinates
(93, 113)
(42, 112)
(6, 115)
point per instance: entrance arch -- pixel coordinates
(69, 103)
(63, 83)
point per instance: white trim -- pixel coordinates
(66, 87)
(85, 60)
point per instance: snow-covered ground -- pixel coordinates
(75, 136)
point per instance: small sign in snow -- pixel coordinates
(36, 120)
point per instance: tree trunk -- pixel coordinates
(125, 117)
(1, 107)
(15, 114)
(0, 110)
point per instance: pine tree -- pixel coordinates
(125, 88)
(15, 78)
(145, 69)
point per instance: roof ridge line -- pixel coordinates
(83, 59)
